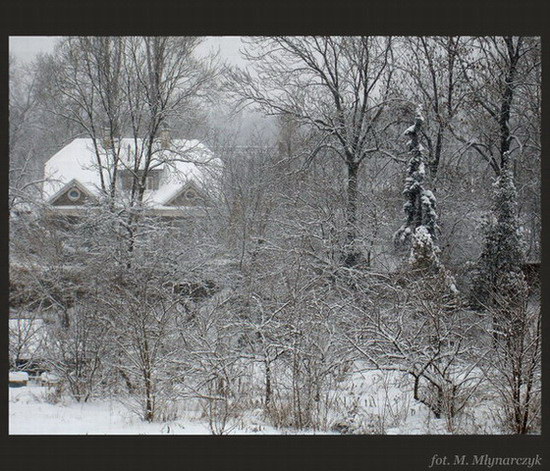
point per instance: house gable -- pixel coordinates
(72, 194)
(189, 195)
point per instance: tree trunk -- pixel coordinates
(267, 381)
(147, 379)
(434, 163)
(352, 255)
(508, 95)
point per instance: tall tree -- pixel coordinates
(132, 86)
(492, 68)
(503, 254)
(338, 85)
(26, 140)
(420, 204)
(501, 289)
(432, 77)
(136, 87)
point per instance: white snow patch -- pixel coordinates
(18, 376)
(30, 414)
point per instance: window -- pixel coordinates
(152, 181)
(74, 194)
(190, 195)
(126, 180)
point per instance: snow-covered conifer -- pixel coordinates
(424, 253)
(419, 231)
(421, 204)
(503, 254)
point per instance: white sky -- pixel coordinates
(26, 48)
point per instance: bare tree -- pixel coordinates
(514, 364)
(25, 174)
(493, 70)
(417, 328)
(338, 85)
(432, 78)
(133, 86)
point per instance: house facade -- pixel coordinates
(180, 175)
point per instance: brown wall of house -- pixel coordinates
(64, 200)
(182, 200)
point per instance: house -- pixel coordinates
(179, 174)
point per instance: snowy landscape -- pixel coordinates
(276, 235)
(369, 403)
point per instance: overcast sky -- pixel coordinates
(25, 48)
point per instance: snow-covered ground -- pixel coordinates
(31, 414)
(370, 402)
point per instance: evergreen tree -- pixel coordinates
(419, 231)
(424, 253)
(499, 267)
(420, 205)
(501, 289)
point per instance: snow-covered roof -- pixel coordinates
(184, 161)
(18, 376)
